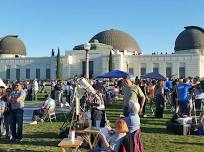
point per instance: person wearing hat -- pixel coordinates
(131, 92)
(17, 105)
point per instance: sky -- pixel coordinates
(44, 25)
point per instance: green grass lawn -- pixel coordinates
(43, 137)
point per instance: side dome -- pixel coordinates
(191, 38)
(118, 39)
(10, 44)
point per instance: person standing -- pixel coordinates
(7, 113)
(17, 104)
(2, 109)
(143, 87)
(35, 89)
(159, 99)
(183, 97)
(131, 92)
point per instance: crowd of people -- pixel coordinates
(183, 95)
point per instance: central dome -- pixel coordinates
(118, 39)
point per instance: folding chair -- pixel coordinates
(49, 116)
(196, 111)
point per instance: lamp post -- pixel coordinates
(87, 47)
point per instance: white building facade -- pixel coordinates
(187, 60)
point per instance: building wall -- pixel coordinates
(31, 63)
(72, 64)
(189, 61)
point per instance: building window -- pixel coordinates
(37, 74)
(131, 70)
(143, 71)
(18, 74)
(27, 73)
(182, 72)
(168, 70)
(8, 74)
(91, 68)
(156, 67)
(48, 73)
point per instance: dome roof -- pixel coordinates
(191, 38)
(10, 44)
(118, 39)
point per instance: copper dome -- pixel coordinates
(10, 44)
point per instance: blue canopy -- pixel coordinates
(154, 75)
(114, 74)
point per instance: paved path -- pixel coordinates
(28, 112)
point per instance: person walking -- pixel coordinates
(17, 104)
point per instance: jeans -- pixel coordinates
(7, 124)
(184, 107)
(17, 119)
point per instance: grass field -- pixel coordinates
(43, 137)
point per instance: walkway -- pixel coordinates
(28, 112)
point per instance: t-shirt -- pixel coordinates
(183, 91)
(169, 85)
(131, 94)
(20, 104)
(115, 141)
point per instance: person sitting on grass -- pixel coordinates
(48, 106)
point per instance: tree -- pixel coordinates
(58, 67)
(110, 65)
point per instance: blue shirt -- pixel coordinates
(169, 85)
(183, 91)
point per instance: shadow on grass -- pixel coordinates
(39, 142)
(17, 150)
(156, 122)
(154, 130)
(42, 135)
(189, 143)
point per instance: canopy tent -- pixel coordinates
(154, 75)
(114, 74)
(2, 83)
